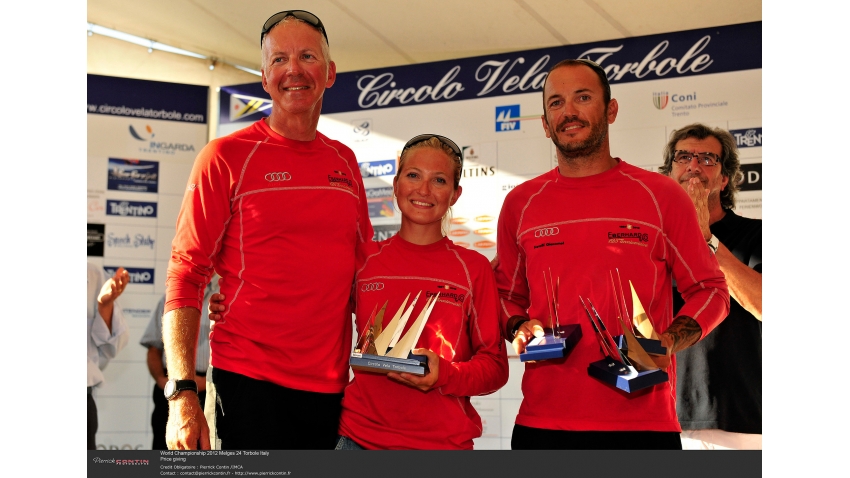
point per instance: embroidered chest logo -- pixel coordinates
(340, 180)
(372, 286)
(277, 177)
(550, 235)
(445, 293)
(628, 234)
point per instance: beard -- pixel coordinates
(579, 149)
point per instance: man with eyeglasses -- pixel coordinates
(718, 388)
(590, 221)
(278, 210)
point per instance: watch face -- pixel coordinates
(169, 388)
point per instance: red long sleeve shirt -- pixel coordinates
(463, 329)
(626, 218)
(281, 221)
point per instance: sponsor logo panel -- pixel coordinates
(384, 231)
(507, 118)
(485, 244)
(134, 175)
(95, 233)
(242, 106)
(151, 144)
(361, 129)
(683, 103)
(380, 201)
(138, 275)
(752, 177)
(130, 208)
(371, 169)
(747, 138)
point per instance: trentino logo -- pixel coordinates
(384, 167)
(507, 118)
(242, 106)
(130, 208)
(660, 99)
(137, 275)
(747, 138)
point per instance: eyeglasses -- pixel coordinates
(299, 14)
(705, 159)
(425, 137)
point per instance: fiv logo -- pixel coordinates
(507, 118)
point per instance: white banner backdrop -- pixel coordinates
(143, 137)
(714, 77)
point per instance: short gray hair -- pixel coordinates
(326, 49)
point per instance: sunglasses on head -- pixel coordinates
(425, 137)
(299, 14)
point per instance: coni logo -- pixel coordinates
(660, 99)
(150, 134)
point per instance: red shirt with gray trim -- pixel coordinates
(582, 229)
(284, 223)
(463, 329)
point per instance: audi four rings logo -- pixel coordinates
(547, 231)
(275, 177)
(372, 286)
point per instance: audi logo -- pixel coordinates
(275, 177)
(547, 231)
(372, 286)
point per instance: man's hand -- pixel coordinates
(216, 307)
(699, 196)
(113, 287)
(525, 332)
(110, 291)
(187, 425)
(425, 382)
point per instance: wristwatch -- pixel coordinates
(173, 387)
(713, 244)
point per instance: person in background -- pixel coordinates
(718, 382)
(107, 333)
(152, 339)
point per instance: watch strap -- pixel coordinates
(179, 386)
(713, 244)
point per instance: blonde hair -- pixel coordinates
(435, 143)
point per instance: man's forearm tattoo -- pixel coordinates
(685, 332)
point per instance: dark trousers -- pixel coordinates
(159, 417)
(258, 415)
(92, 422)
(527, 438)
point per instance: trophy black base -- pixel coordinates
(651, 346)
(551, 347)
(415, 364)
(624, 377)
